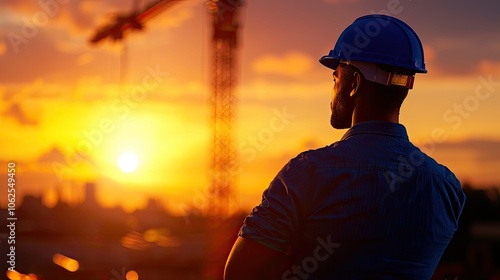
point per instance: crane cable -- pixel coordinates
(123, 66)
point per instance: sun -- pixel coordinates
(128, 162)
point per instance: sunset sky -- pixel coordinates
(67, 113)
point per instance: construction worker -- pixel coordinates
(370, 206)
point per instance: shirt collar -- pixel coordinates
(377, 127)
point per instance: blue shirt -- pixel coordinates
(370, 206)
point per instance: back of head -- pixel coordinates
(384, 97)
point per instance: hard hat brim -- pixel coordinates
(330, 62)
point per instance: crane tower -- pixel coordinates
(225, 22)
(224, 43)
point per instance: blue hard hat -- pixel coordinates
(379, 39)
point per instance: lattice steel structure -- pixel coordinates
(225, 20)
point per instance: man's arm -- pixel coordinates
(251, 260)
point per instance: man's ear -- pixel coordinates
(355, 83)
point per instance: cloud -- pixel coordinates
(71, 23)
(261, 89)
(455, 55)
(50, 156)
(47, 14)
(176, 15)
(85, 58)
(488, 66)
(483, 149)
(3, 48)
(11, 106)
(472, 160)
(22, 6)
(292, 64)
(429, 53)
(16, 112)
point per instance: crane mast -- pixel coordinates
(224, 43)
(225, 20)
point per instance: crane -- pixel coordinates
(224, 44)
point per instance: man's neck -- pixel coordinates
(361, 114)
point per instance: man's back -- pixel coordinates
(371, 206)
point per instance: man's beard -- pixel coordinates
(341, 113)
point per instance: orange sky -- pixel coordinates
(67, 109)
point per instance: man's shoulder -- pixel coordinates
(420, 159)
(329, 153)
(312, 155)
(306, 159)
(310, 160)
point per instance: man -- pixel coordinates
(370, 206)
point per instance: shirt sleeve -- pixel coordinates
(274, 222)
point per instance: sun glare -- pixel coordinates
(128, 162)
